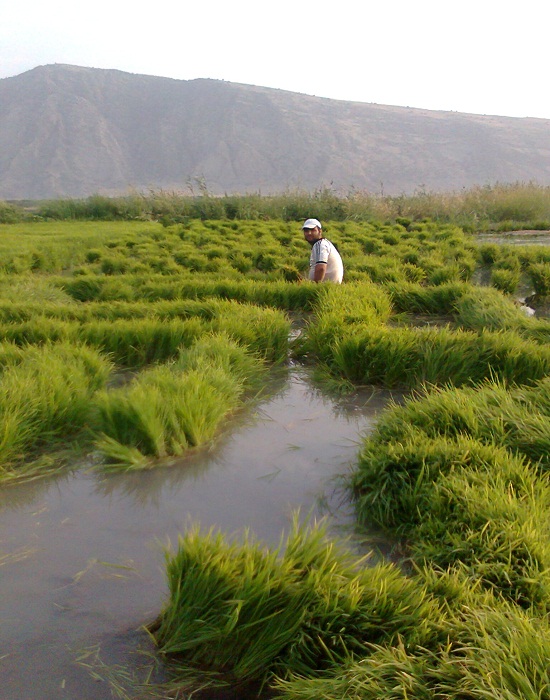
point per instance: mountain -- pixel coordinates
(72, 131)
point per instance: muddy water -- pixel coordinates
(81, 556)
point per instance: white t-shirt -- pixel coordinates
(323, 251)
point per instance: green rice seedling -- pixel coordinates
(44, 397)
(10, 354)
(506, 281)
(387, 673)
(412, 356)
(221, 352)
(505, 654)
(487, 308)
(138, 342)
(491, 414)
(445, 274)
(238, 612)
(478, 521)
(169, 409)
(461, 502)
(38, 331)
(414, 298)
(537, 397)
(263, 331)
(162, 414)
(339, 312)
(540, 277)
(393, 484)
(499, 653)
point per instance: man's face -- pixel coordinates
(312, 234)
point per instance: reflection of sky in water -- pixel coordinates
(515, 238)
(83, 553)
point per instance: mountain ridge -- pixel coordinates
(74, 131)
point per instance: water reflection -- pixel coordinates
(83, 552)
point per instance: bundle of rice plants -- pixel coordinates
(387, 673)
(499, 653)
(238, 613)
(162, 413)
(137, 342)
(480, 522)
(39, 330)
(489, 413)
(46, 396)
(262, 331)
(393, 484)
(487, 308)
(505, 280)
(540, 277)
(221, 352)
(414, 298)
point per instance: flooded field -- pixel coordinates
(529, 237)
(81, 556)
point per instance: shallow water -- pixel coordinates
(525, 290)
(528, 237)
(81, 556)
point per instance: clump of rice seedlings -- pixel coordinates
(393, 483)
(39, 330)
(489, 413)
(171, 408)
(488, 308)
(239, 613)
(540, 277)
(220, 351)
(498, 653)
(342, 311)
(137, 342)
(263, 331)
(35, 290)
(504, 280)
(477, 502)
(505, 654)
(45, 396)
(10, 354)
(415, 298)
(387, 673)
(411, 356)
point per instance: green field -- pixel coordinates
(134, 341)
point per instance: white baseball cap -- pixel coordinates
(311, 223)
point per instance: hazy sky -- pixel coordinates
(482, 56)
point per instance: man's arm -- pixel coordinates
(319, 272)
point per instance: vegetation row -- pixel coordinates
(495, 207)
(134, 342)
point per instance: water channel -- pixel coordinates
(81, 555)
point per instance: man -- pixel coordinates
(325, 263)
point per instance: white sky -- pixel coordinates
(479, 56)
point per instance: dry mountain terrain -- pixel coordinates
(72, 131)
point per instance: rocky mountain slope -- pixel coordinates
(72, 131)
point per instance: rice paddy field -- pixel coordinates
(409, 406)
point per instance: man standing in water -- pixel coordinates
(325, 263)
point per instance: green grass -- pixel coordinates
(238, 613)
(169, 409)
(44, 399)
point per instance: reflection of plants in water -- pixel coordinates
(146, 485)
